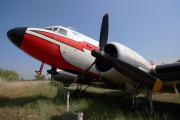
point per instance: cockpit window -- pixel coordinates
(55, 29)
(62, 32)
(49, 29)
(59, 30)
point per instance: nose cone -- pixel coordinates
(16, 35)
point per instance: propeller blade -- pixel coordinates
(135, 74)
(102, 42)
(84, 72)
(104, 32)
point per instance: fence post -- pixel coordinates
(67, 102)
(80, 115)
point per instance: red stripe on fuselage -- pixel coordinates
(75, 44)
(46, 52)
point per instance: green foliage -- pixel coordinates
(9, 75)
(178, 60)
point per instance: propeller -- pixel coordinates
(135, 74)
(78, 78)
(104, 32)
(103, 40)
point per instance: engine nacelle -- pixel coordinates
(122, 53)
(65, 77)
(167, 72)
(126, 87)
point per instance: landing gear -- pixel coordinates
(142, 103)
(79, 92)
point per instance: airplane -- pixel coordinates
(109, 65)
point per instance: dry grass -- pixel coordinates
(167, 97)
(11, 90)
(27, 100)
(38, 100)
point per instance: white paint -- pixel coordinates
(83, 59)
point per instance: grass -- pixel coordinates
(39, 100)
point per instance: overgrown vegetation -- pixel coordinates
(9, 75)
(42, 77)
(40, 100)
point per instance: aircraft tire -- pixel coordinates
(77, 93)
(142, 104)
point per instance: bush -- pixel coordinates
(9, 75)
(40, 78)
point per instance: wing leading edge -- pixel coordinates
(167, 72)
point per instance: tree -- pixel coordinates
(178, 60)
(9, 75)
(42, 77)
(49, 78)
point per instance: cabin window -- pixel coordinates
(62, 32)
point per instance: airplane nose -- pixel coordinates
(16, 35)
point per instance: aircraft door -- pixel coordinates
(71, 52)
(75, 56)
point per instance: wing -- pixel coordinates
(167, 72)
(170, 75)
(137, 75)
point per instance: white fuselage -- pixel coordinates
(70, 50)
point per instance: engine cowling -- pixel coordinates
(167, 72)
(126, 87)
(65, 77)
(122, 53)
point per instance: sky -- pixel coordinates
(151, 28)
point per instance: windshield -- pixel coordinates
(49, 29)
(57, 29)
(52, 29)
(62, 32)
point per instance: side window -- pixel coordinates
(62, 32)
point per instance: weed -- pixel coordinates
(39, 100)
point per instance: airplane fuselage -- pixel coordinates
(70, 51)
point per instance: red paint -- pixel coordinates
(72, 43)
(152, 63)
(48, 52)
